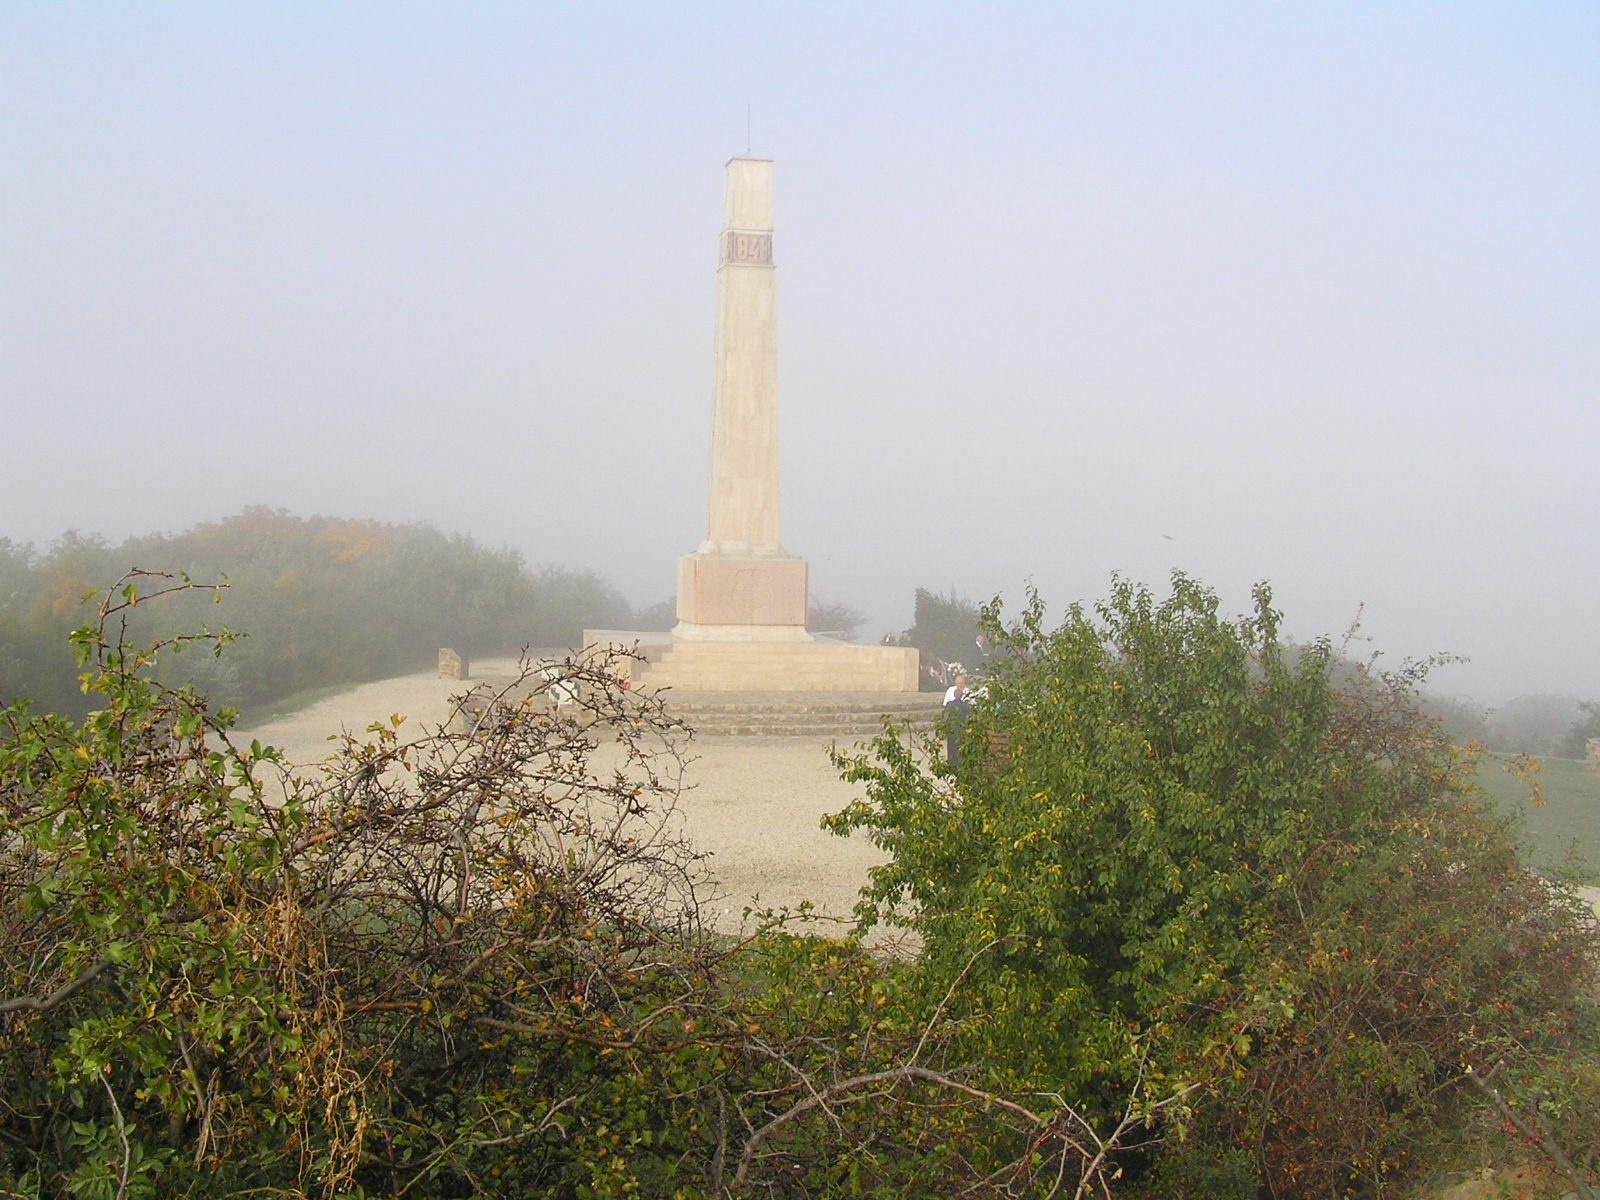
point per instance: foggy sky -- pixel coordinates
(1303, 293)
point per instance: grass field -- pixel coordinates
(1567, 821)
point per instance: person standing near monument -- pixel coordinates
(955, 690)
(956, 708)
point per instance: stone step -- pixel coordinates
(818, 733)
(753, 682)
(733, 726)
(739, 682)
(799, 705)
(665, 651)
(769, 720)
(825, 716)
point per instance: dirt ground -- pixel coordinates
(752, 803)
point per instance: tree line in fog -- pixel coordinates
(320, 600)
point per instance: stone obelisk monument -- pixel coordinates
(740, 585)
(741, 596)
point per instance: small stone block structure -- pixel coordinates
(452, 665)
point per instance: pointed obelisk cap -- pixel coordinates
(741, 577)
(747, 203)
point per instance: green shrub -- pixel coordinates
(1177, 854)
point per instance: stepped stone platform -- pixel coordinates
(832, 716)
(845, 716)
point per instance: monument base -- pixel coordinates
(742, 597)
(822, 665)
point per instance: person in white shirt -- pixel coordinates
(956, 707)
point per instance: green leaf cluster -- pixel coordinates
(1180, 852)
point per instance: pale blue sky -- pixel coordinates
(1308, 293)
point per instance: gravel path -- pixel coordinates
(753, 803)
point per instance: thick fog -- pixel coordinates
(1303, 293)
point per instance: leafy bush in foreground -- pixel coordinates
(1180, 885)
(1177, 856)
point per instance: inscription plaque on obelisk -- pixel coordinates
(740, 585)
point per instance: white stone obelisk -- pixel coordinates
(741, 598)
(741, 585)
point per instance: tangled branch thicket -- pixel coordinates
(238, 962)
